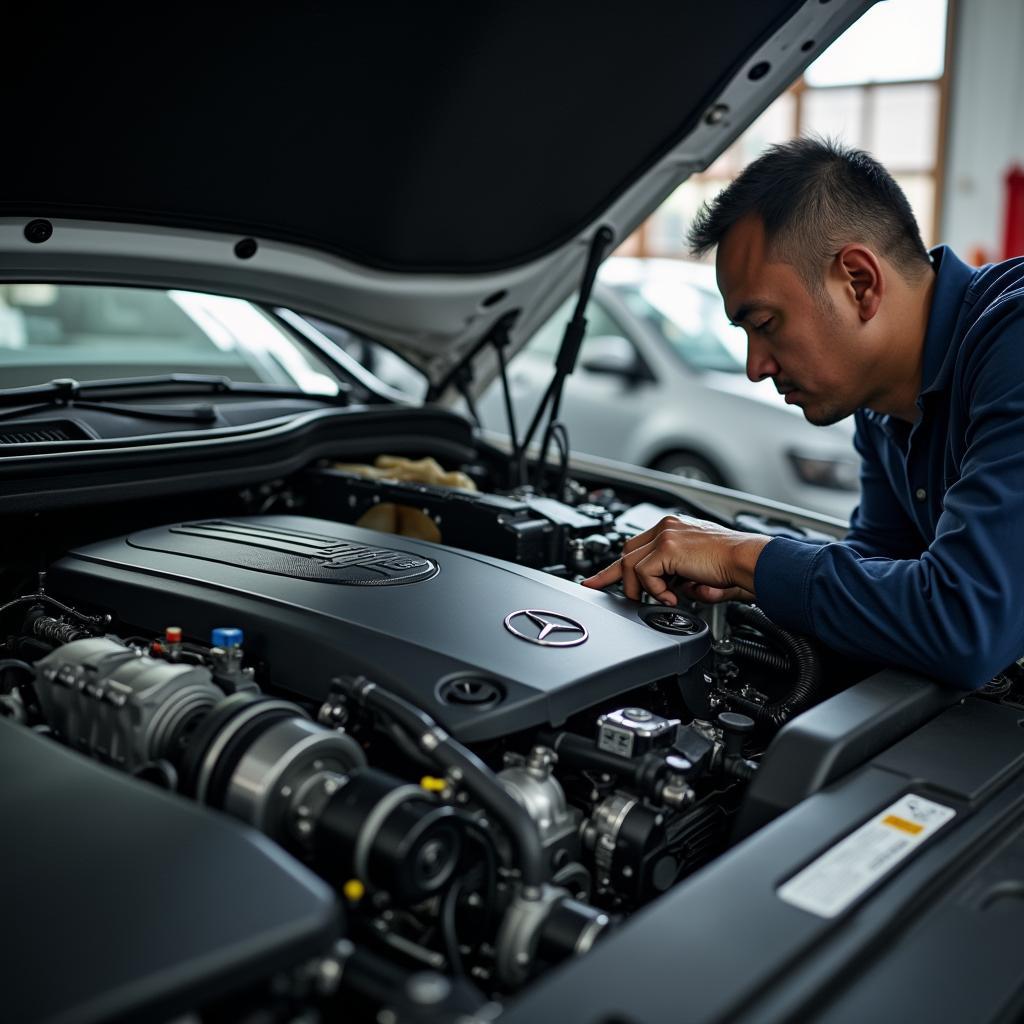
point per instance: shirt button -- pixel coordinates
(920, 494)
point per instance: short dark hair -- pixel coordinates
(814, 196)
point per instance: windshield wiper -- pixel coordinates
(93, 394)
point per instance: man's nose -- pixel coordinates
(760, 362)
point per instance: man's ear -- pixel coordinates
(861, 273)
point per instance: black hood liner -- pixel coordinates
(413, 137)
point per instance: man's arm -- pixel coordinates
(956, 613)
(878, 526)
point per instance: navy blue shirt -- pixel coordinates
(931, 574)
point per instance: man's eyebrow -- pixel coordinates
(745, 310)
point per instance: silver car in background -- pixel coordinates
(660, 382)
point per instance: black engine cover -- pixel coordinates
(454, 632)
(121, 901)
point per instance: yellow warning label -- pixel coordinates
(894, 821)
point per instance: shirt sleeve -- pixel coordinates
(879, 525)
(955, 613)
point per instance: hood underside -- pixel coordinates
(414, 171)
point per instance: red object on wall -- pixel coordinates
(1013, 237)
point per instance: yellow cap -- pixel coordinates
(353, 890)
(432, 784)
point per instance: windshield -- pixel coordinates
(389, 368)
(91, 332)
(692, 322)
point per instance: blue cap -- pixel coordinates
(227, 637)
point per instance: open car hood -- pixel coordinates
(413, 171)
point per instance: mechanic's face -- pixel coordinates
(804, 342)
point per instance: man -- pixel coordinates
(821, 262)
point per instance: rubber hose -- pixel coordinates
(643, 773)
(408, 748)
(751, 650)
(582, 752)
(11, 663)
(447, 752)
(808, 667)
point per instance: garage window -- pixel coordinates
(881, 87)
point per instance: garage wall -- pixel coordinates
(986, 125)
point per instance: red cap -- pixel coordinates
(172, 634)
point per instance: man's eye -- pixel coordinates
(764, 324)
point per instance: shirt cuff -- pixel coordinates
(781, 581)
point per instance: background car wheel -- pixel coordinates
(690, 466)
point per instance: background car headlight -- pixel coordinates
(836, 474)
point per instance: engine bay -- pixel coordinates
(490, 766)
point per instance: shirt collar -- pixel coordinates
(953, 277)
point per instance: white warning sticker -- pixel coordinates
(844, 873)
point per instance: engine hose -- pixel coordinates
(397, 735)
(15, 663)
(582, 752)
(759, 654)
(56, 632)
(94, 622)
(448, 753)
(808, 667)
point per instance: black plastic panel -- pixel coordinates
(41, 431)
(996, 751)
(117, 469)
(838, 735)
(120, 899)
(965, 947)
(409, 638)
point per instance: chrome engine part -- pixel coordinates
(277, 776)
(120, 705)
(546, 928)
(630, 732)
(532, 782)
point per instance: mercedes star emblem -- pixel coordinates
(549, 629)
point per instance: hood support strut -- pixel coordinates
(567, 355)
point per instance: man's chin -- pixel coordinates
(825, 415)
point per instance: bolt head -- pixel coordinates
(246, 248)
(716, 114)
(38, 231)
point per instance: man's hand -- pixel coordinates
(709, 562)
